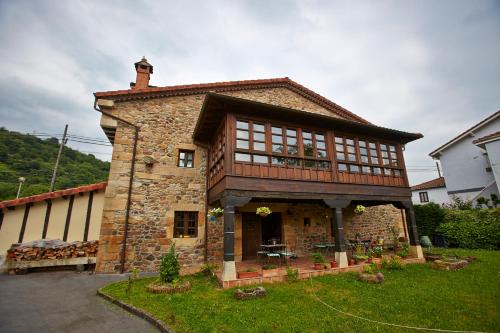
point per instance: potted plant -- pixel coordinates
(248, 273)
(351, 261)
(214, 213)
(333, 264)
(318, 260)
(269, 270)
(263, 211)
(360, 258)
(360, 209)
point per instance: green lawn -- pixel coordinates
(468, 299)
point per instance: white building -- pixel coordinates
(471, 161)
(430, 191)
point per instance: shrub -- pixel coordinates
(428, 218)
(169, 266)
(377, 251)
(269, 266)
(370, 269)
(317, 258)
(209, 269)
(292, 274)
(474, 229)
(458, 203)
(393, 263)
(405, 250)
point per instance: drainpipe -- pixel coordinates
(131, 178)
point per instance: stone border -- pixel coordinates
(160, 325)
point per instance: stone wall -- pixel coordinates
(166, 125)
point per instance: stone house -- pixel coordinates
(180, 150)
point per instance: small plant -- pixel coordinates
(263, 211)
(134, 273)
(269, 266)
(394, 230)
(359, 249)
(377, 251)
(370, 269)
(251, 269)
(215, 212)
(494, 200)
(392, 263)
(317, 258)
(209, 269)
(360, 209)
(292, 274)
(482, 201)
(169, 266)
(405, 250)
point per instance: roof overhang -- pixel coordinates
(481, 142)
(216, 106)
(435, 154)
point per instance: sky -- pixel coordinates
(420, 66)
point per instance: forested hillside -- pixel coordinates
(24, 155)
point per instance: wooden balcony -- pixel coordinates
(260, 147)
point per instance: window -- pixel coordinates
(186, 158)
(242, 135)
(314, 147)
(277, 140)
(423, 197)
(291, 141)
(259, 137)
(185, 224)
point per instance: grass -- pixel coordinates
(468, 299)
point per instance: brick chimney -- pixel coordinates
(143, 69)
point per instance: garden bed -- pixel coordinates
(467, 299)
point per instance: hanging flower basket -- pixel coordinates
(360, 209)
(263, 211)
(214, 213)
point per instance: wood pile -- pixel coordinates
(51, 249)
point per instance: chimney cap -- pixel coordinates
(144, 64)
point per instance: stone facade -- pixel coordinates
(166, 125)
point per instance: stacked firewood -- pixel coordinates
(51, 249)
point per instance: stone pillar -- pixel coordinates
(338, 230)
(415, 248)
(230, 203)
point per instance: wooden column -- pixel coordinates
(68, 217)
(1, 218)
(47, 217)
(412, 224)
(230, 203)
(25, 220)
(87, 218)
(338, 229)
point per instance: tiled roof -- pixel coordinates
(201, 88)
(487, 138)
(53, 195)
(436, 152)
(438, 182)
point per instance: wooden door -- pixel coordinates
(251, 234)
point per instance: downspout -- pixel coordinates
(131, 178)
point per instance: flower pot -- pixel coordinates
(369, 261)
(263, 214)
(248, 275)
(318, 265)
(212, 218)
(333, 264)
(352, 262)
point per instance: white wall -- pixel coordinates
(493, 150)
(437, 195)
(464, 164)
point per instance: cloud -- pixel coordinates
(425, 66)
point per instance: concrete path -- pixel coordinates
(62, 302)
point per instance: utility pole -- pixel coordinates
(439, 170)
(63, 142)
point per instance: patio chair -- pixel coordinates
(262, 253)
(288, 252)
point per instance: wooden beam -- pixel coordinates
(68, 217)
(1, 218)
(47, 218)
(25, 220)
(87, 218)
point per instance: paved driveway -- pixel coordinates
(62, 302)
